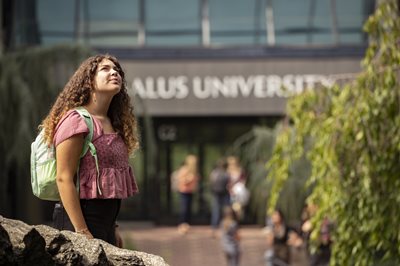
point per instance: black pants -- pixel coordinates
(186, 207)
(100, 216)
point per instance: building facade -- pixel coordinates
(202, 72)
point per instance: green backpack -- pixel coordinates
(44, 165)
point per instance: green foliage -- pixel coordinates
(354, 150)
(255, 148)
(29, 82)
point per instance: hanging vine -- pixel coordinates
(354, 150)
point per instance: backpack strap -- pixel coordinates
(88, 144)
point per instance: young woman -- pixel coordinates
(98, 85)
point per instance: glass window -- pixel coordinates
(178, 22)
(322, 23)
(236, 22)
(291, 21)
(56, 27)
(172, 22)
(351, 19)
(113, 23)
(295, 24)
(95, 22)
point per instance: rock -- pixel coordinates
(22, 244)
(6, 248)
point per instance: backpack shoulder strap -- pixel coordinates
(89, 123)
(88, 145)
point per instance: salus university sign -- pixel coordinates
(229, 87)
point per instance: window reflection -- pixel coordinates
(131, 23)
(172, 22)
(236, 22)
(56, 27)
(113, 23)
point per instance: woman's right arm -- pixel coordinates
(68, 155)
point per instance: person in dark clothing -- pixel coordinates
(322, 255)
(277, 238)
(219, 180)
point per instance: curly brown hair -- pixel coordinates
(77, 93)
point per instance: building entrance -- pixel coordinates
(209, 139)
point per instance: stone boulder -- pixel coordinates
(22, 244)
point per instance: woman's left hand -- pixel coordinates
(118, 240)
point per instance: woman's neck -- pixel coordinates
(98, 106)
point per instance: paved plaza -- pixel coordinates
(196, 248)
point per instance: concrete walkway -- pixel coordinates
(196, 248)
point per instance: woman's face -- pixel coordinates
(107, 78)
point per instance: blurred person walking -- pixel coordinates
(219, 180)
(230, 237)
(321, 257)
(98, 86)
(239, 194)
(298, 252)
(277, 253)
(235, 170)
(188, 178)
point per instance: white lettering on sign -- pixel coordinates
(212, 87)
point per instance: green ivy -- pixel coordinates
(353, 132)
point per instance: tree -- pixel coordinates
(354, 150)
(254, 148)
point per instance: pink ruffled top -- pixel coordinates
(117, 180)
